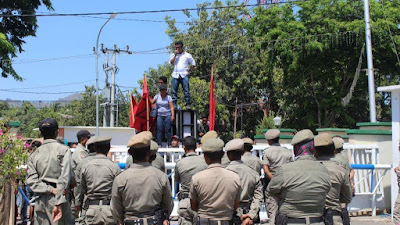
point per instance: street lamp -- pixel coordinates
(277, 121)
(96, 52)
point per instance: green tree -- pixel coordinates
(13, 29)
(315, 46)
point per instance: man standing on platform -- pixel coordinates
(180, 75)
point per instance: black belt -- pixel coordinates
(206, 221)
(149, 220)
(54, 185)
(304, 220)
(97, 202)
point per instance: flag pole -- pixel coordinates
(147, 106)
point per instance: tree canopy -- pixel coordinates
(14, 29)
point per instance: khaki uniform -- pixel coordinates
(396, 210)
(274, 157)
(215, 189)
(79, 196)
(251, 194)
(50, 167)
(340, 158)
(97, 177)
(139, 191)
(184, 171)
(225, 160)
(340, 191)
(252, 161)
(80, 153)
(303, 186)
(157, 163)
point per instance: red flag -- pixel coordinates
(143, 121)
(132, 112)
(212, 101)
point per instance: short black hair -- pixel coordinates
(326, 150)
(248, 147)
(164, 79)
(178, 43)
(48, 133)
(214, 155)
(102, 148)
(276, 140)
(139, 153)
(189, 142)
(236, 154)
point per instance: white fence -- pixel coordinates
(368, 177)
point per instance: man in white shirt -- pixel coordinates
(180, 75)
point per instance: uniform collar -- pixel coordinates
(236, 162)
(215, 165)
(100, 156)
(83, 147)
(92, 153)
(141, 164)
(324, 158)
(306, 157)
(247, 153)
(276, 144)
(49, 141)
(191, 154)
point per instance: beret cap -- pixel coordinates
(234, 145)
(303, 135)
(272, 134)
(323, 139)
(213, 145)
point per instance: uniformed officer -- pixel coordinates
(141, 194)
(185, 168)
(214, 192)
(249, 159)
(251, 194)
(79, 196)
(273, 157)
(340, 180)
(301, 185)
(49, 176)
(156, 159)
(97, 177)
(81, 151)
(342, 158)
(213, 134)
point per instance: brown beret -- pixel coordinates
(139, 141)
(208, 135)
(272, 134)
(234, 145)
(323, 139)
(213, 145)
(338, 141)
(100, 140)
(303, 135)
(248, 141)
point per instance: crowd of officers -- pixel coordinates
(215, 188)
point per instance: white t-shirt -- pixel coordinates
(182, 64)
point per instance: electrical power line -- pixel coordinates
(50, 86)
(41, 93)
(49, 59)
(148, 11)
(126, 19)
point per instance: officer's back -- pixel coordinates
(215, 191)
(97, 177)
(141, 190)
(251, 194)
(302, 185)
(248, 158)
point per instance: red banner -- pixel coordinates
(143, 121)
(212, 101)
(132, 111)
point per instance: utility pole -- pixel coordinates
(110, 104)
(371, 84)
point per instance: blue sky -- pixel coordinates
(59, 37)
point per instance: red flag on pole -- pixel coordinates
(143, 121)
(212, 101)
(132, 111)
